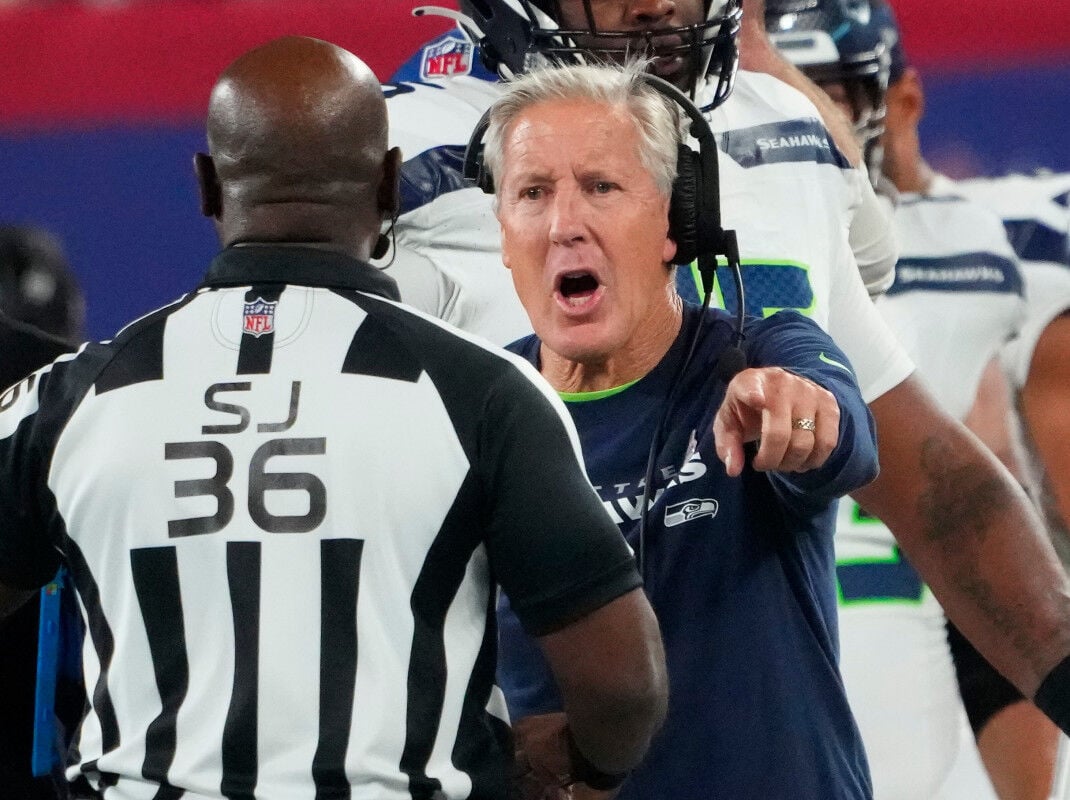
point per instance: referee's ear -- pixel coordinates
(389, 194)
(208, 185)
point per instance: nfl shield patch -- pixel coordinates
(450, 56)
(259, 317)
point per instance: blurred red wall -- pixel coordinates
(157, 60)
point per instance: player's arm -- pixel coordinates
(1045, 406)
(1016, 742)
(972, 534)
(1019, 747)
(872, 237)
(990, 417)
(570, 577)
(757, 53)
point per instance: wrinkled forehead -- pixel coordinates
(574, 131)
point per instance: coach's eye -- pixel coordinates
(533, 193)
(604, 187)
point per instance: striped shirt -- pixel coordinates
(286, 502)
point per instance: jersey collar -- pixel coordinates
(304, 266)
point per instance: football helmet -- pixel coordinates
(515, 35)
(37, 285)
(838, 41)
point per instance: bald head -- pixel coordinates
(297, 138)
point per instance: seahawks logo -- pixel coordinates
(695, 508)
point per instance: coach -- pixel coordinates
(736, 550)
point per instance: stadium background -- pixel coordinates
(101, 109)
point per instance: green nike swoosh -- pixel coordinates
(828, 360)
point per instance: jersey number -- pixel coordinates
(261, 480)
(769, 287)
(890, 579)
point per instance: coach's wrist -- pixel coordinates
(583, 771)
(1053, 696)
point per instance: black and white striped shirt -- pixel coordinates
(286, 502)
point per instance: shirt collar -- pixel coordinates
(304, 266)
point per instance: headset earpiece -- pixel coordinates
(683, 219)
(473, 170)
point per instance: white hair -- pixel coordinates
(657, 118)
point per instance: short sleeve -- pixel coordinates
(553, 548)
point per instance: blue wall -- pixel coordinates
(124, 203)
(123, 198)
(1008, 121)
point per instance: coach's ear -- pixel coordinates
(208, 185)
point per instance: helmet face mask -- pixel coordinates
(839, 42)
(520, 34)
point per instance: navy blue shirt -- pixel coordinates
(740, 572)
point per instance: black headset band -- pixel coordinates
(703, 134)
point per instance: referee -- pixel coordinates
(286, 501)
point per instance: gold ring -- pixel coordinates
(803, 424)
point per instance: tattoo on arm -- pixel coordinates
(962, 503)
(961, 497)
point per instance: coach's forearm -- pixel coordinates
(971, 533)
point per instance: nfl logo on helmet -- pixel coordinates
(259, 317)
(451, 55)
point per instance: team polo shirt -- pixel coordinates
(740, 572)
(286, 503)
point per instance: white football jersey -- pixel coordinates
(1035, 212)
(957, 298)
(785, 189)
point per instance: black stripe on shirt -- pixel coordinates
(239, 731)
(138, 361)
(104, 643)
(254, 354)
(436, 587)
(339, 586)
(379, 352)
(478, 729)
(138, 350)
(155, 573)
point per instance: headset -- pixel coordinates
(695, 226)
(694, 209)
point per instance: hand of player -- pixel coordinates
(541, 766)
(775, 408)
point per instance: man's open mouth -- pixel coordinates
(577, 287)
